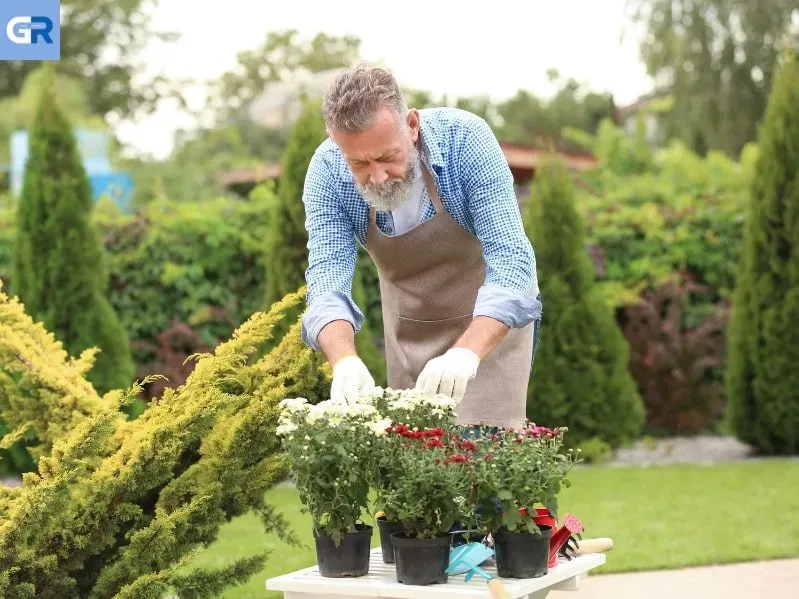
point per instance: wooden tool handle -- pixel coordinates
(599, 545)
(497, 590)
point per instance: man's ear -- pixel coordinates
(414, 121)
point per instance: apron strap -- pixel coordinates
(432, 189)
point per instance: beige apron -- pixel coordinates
(429, 279)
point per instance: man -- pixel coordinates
(430, 196)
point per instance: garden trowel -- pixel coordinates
(467, 558)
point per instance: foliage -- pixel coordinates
(328, 449)
(427, 482)
(119, 506)
(410, 408)
(59, 270)
(580, 379)
(762, 381)
(716, 58)
(286, 237)
(649, 215)
(43, 392)
(676, 366)
(514, 472)
(106, 55)
(18, 111)
(282, 56)
(527, 119)
(183, 276)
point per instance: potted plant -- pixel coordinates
(413, 410)
(514, 472)
(327, 449)
(426, 489)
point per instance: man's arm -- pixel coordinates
(337, 340)
(332, 318)
(483, 335)
(509, 297)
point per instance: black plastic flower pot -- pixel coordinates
(348, 559)
(522, 554)
(386, 529)
(421, 561)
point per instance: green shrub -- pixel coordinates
(58, 260)
(762, 376)
(286, 238)
(120, 506)
(580, 378)
(183, 276)
(655, 217)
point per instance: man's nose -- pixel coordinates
(378, 176)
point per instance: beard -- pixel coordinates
(392, 193)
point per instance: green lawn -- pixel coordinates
(663, 517)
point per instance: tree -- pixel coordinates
(101, 44)
(58, 261)
(716, 58)
(118, 507)
(763, 339)
(286, 237)
(18, 112)
(282, 56)
(580, 377)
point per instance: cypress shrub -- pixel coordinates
(580, 377)
(118, 507)
(762, 380)
(58, 259)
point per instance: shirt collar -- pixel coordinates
(431, 143)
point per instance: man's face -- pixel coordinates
(383, 158)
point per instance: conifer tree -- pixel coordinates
(119, 506)
(762, 378)
(580, 377)
(58, 259)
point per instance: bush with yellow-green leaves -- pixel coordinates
(117, 507)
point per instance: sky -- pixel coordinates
(438, 45)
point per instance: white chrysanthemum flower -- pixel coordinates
(378, 427)
(286, 428)
(293, 405)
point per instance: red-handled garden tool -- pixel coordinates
(560, 536)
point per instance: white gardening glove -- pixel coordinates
(350, 378)
(449, 373)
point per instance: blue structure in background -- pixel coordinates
(93, 148)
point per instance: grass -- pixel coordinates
(659, 517)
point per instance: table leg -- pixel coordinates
(570, 584)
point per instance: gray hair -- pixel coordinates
(357, 95)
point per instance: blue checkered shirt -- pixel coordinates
(477, 190)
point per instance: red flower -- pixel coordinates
(434, 443)
(469, 445)
(458, 458)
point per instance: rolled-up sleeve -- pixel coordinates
(510, 293)
(332, 255)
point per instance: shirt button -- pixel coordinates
(389, 229)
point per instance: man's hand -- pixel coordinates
(350, 378)
(449, 373)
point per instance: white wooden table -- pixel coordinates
(382, 582)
